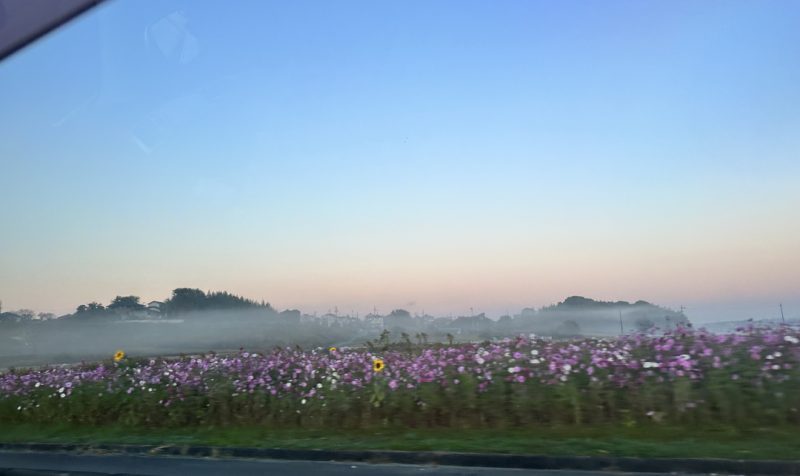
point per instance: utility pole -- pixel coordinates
(782, 319)
(621, 331)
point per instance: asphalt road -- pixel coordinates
(68, 464)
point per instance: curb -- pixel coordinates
(491, 460)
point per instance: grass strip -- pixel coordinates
(651, 442)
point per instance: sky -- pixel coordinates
(434, 156)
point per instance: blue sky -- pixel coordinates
(427, 155)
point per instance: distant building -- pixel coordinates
(290, 315)
(374, 321)
(155, 309)
(308, 319)
(425, 320)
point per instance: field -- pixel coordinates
(630, 395)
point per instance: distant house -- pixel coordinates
(425, 320)
(290, 315)
(474, 323)
(154, 309)
(308, 319)
(10, 317)
(327, 319)
(374, 321)
(346, 320)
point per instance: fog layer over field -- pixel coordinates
(178, 326)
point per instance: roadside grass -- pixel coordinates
(651, 441)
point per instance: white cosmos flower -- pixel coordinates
(791, 339)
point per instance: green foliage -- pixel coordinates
(588, 440)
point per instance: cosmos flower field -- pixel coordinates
(684, 377)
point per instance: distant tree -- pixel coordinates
(91, 307)
(399, 320)
(528, 312)
(384, 337)
(126, 303)
(46, 316)
(25, 314)
(189, 299)
(226, 300)
(505, 323)
(185, 300)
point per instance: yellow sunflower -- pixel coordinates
(119, 355)
(378, 365)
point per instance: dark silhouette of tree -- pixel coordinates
(126, 303)
(185, 300)
(91, 307)
(189, 299)
(399, 320)
(25, 314)
(226, 300)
